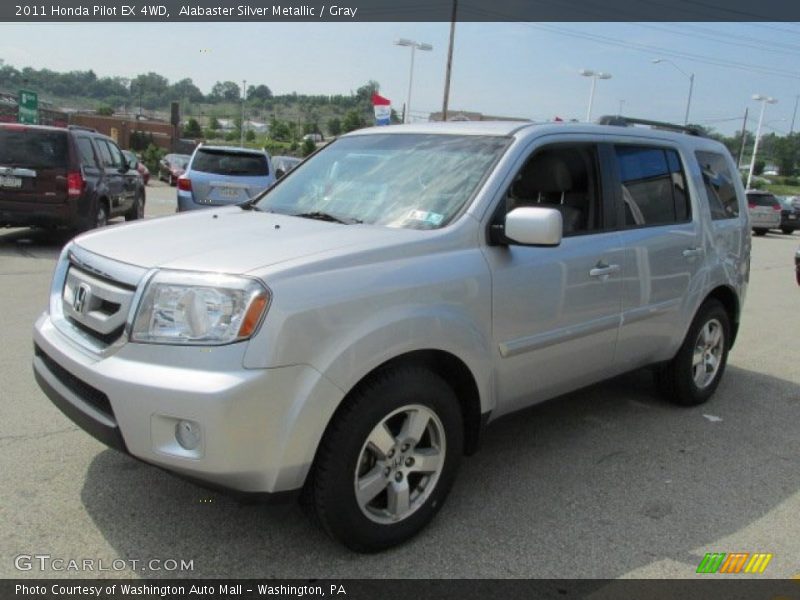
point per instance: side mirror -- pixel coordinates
(534, 226)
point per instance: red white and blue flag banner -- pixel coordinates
(383, 109)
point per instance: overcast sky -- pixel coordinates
(510, 69)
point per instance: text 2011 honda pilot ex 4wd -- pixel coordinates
(352, 330)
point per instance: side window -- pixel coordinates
(718, 182)
(105, 153)
(88, 159)
(117, 159)
(653, 186)
(563, 177)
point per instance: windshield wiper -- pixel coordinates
(323, 216)
(251, 205)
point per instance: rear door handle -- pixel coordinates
(692, 252)
(602, 270)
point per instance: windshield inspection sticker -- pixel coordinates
(425, 216)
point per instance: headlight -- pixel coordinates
(199, 308)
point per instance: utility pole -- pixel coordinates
(244, 96)
(744, 135)
(449, 61)
(794, 114)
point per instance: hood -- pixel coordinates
(229, 240)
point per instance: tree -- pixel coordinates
(213, 123)
(334, 126)
(105, 111)
(186, 89)
(192, 129)
(226, 90)
(308, 146)
(786, 152)
(250, 135)
(279, 130)
(259, 92)
(352, 121)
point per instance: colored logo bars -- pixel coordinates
(734, 562)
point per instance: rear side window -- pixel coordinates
(653, 186)
(230, 163)
(33, 148)
(88, 159)
(105, 154)
(718, 181)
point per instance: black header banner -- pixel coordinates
(398, 10)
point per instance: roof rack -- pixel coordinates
(82, 128)
(631, 121)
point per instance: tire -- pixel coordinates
(693, 375)
(760, 231)
(366, 442)
(98, 219)
(137, 210)
(787, 230)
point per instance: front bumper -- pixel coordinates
(259, 428)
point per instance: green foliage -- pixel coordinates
(258, 92)
(279, 130)
(758, 167)
(352, 121)
(308, 147)
(140, 141)
(250, 135)
(334, 127)
(151, 156)
(192, 129)
(213, 123)
(226, 90)
(105, 111)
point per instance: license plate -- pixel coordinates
(10, 182)
(792, 217)
(229, 192)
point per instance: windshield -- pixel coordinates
(222, 162)
(416, 181)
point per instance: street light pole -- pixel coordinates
(414, 47)
(794, 114)
(764, 101)
(244, 96)
(690, 76)
(446, 100)
(595, 75)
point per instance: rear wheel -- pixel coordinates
(694, 374)
(387, 460)
(760, 231)
(137, 210)
(787, 230)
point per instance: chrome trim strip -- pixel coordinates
(557, 336)
(124, 273)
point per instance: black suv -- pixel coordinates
(76, 177)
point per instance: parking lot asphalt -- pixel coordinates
(606, 482)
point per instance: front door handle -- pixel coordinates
(692, 252)
(602, 270)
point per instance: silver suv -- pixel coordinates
(350, 332)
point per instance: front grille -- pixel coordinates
(95, 304)
(92, 396)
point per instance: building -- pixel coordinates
(466, 115)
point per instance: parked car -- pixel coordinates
(790, 213)
(220, 175)
(171, 167)
(352, 336)
(140, 166)
(73, 177)
(314, 137)
(765, 211)
(284, 164)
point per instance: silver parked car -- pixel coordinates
(351, 331)
(765, 211)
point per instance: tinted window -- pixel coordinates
(88, 159)
(230, 163)
(653, 186)
(718, 181)
(33, 148)
(762, 200)
(116, 155)
(562, 177)
(105, 154)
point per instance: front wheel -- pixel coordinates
(694, 374)
(760, 231)
(388, 459)
(787, 230)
